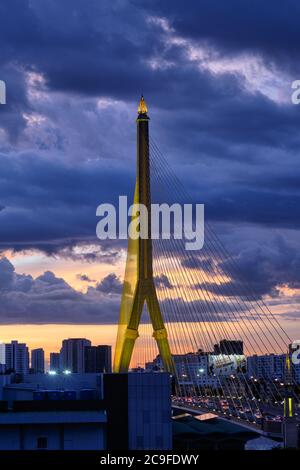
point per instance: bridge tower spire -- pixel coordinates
(139, 285)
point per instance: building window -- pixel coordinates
(42, 443)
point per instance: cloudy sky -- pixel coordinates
(217, 79)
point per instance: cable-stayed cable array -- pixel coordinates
(205, 299)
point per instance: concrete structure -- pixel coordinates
(72, 354)
(296, 372)
(38, 361)
(55, 361)
(202, 369)
(17, 357)
(2, 354)
(226, 346)
(193, 370)
(5, 379)
(208, 432)
(268, 367)
(191, 366)
(127, 411)
(294, 351)
(138, 411)
(80, 384)
(52, 429)
(97, 359)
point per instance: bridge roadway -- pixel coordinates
(228, 415)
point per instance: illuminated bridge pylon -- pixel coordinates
(139, 285)
(200, 305)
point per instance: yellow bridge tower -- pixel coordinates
(139, 285)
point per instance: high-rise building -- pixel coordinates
(138, 409)
(294, 350)
(2, 358)
(55, 361)
(38, 361)
(127, 411)
(227, 346)
(2, 354)
(17, 357)
(98, 359)
(268, 366)
(72, 354)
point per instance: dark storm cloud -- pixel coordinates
(12, 113)
(195, 262)
(6, 274)
(48, 299)
(256, 290)
(234, 26)
(267, 267)
(100, 44)
(51, 205)
(110, 284)
(113, 40)
(292, 316)
(162, 281)
(257, 271)
(235, 148)
(257, 206)
(203, 310)
(84, 278)
(252, 120)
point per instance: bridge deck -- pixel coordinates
(243, 423)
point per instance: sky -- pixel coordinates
(217, 80)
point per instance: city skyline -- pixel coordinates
(33, 360)
(36, 335)
(144, 351)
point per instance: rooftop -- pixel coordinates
(189, 425)
(50, 417)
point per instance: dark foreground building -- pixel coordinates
(116, 412)
(138, 411)
(97, 359)
(209, 434)
(226, 346)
